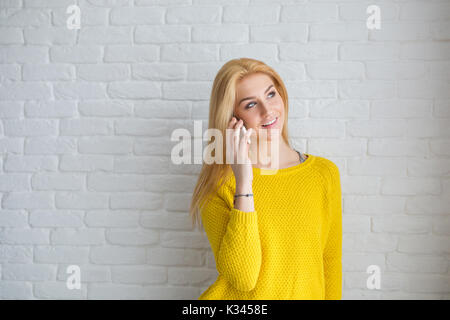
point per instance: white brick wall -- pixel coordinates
(86, 117)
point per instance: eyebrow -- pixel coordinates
(248, 98)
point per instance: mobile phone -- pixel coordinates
(243, 130)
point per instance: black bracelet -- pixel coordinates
(241, 195)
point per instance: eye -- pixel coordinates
(248, 106)
(270, 93)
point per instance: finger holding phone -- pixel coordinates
(241, 166)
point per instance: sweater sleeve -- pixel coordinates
(234, 238)
(332, 255)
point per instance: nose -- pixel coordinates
(265, 109)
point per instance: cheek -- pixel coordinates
(278, 103)
(251, 123)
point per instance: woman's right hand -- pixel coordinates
(242, 166)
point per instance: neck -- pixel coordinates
(265, 157)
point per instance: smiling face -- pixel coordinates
(258, 102)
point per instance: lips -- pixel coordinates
(271, 125)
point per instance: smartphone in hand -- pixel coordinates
(243, 131)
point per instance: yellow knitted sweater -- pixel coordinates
(290, 247)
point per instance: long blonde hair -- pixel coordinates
(221, 107)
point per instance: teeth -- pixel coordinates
(270, 122)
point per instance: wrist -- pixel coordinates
(244, 187)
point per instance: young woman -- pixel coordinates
(273, 236)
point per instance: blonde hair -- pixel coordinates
(221, 107)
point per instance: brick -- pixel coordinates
(162, 34)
